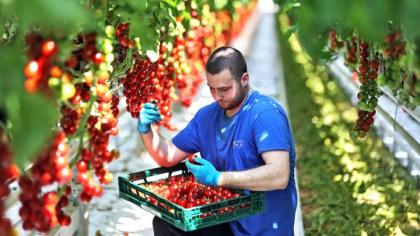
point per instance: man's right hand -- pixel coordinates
(148, 114)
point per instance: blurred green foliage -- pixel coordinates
(347, 187)
(31, 116)
(367, 17)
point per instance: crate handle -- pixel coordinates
(160, 170)
(147, 173)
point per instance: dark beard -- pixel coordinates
(240, 99)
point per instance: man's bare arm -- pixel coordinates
(163, 151)
(271, 176)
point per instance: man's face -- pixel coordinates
(225, 90)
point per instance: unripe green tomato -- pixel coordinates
(109, 58)
(67, 91)
(362, 134)
(372, 83)
(362, 106)
(363, 89)
(354, 134)
(374, 100)
(53, 82)
(363, 96)
(107, 46)
(138, 45)
(371, 107)
(109, 31)
(103, 67)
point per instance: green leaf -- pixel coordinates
(409, 14)
(11, 77)
(290, 5)
(137, 6)
(220, 4)
(32, 117)
(59, 14)
(148, 35)
(187, 18)
(171, 3)
(140, 14)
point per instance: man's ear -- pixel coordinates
(245, 79)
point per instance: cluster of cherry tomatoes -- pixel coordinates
(138, 85)
(369, 91)
(89, 97)
(184, 191)
(102, 123)
(40, 66)
(395, 45)
(8, 173)
(334, 43)
(375, 66)
(351, 56)
(51, 166)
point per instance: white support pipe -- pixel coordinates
(398, 126)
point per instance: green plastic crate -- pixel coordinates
(187, 219)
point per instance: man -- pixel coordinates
(245, 142)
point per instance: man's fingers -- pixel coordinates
(152, 118)
(188, 164)
(151, 112)
(191, 166)
(150, 106)
(200, 160)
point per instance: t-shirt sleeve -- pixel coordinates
(187, 139)
(271, 131)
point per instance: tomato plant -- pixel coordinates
(378, 41)
(64, 90)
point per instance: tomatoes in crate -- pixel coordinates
(184, 191)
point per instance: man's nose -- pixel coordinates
(217, 97)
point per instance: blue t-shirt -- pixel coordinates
(236, 143)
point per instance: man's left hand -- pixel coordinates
(204, 172)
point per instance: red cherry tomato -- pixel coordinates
(48, 48)
(191, 160)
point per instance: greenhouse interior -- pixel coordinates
(209, 117)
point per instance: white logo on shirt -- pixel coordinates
(237, 143)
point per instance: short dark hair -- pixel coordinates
(227, 58)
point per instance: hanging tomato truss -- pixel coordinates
(372, 49)
(65, 66)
